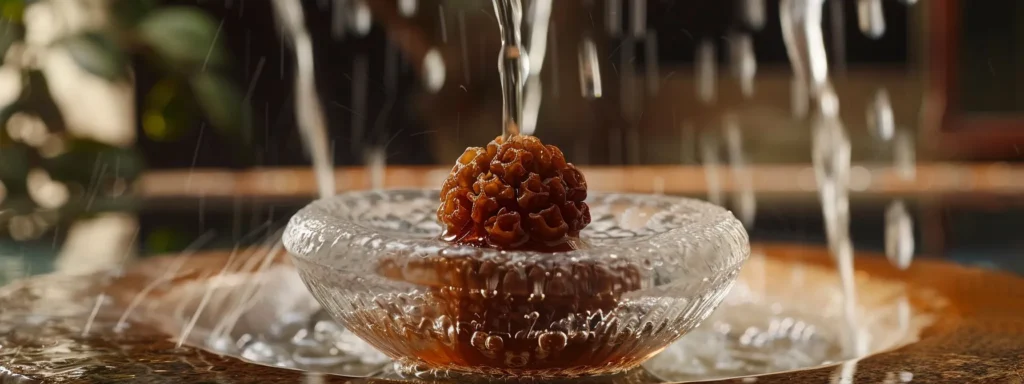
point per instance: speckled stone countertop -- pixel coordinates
(978, 339)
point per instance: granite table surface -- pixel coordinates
(980, 339)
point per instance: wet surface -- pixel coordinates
(979, 338)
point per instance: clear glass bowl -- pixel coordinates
(652, 269)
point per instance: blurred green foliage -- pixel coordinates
(180, 42)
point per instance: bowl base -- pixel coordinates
(415, 369)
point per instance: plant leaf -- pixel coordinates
(223, 104)
(12, 10)
(78, 163)
(97, 53)
(10, 33)
(128, 13)
(185, 37)
(169, 110)
(14, 164)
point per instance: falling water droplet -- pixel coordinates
(590, 70)
(870, 18)
(540, 17)
(709, 155)
(531, 104)
(309, 113)
(881, 122)
(362, 19)
(828, 103)
(613, 17)
(707, 72)
(444, 23)
(754, 13)
(744, 61)
(434, 70)
(744, 198)
(904, 156)
(407, 8)
(540, 21)
(899, 235)
(376, 163)
(638, 18)
(831, 158)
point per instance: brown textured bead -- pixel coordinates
(515, 194)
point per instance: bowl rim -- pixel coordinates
(317, 235)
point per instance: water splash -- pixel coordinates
(844, 373)
(204, 301)
(167, 277)
(830, 153)
(245, 301)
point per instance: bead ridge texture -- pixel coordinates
(514, 194)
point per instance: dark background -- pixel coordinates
(250, 33)
(265, 73)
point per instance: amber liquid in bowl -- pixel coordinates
(559, 319)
